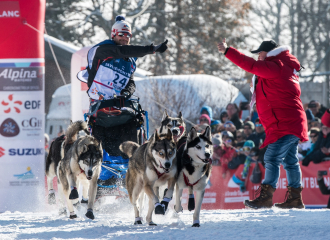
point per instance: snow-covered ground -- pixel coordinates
(115, 221)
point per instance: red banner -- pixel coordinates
(223, 193)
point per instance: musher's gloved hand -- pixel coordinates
(125, 93)
(161, 47)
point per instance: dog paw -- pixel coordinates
(90, 215)
(137, 222)
(165, 204)
(51, 199)
(84, 201)
(74, 194)
(196, 225)
(152, 224)
(178, 211)
(73, 216)
(62, 211)
(191, 204)
(159, 209)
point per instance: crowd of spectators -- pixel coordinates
(237, 141)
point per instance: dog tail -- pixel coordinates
(73, 130)
(129, 148)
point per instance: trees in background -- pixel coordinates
(193, 28)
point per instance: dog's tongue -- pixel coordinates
(210, 160)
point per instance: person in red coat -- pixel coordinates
(276, 91)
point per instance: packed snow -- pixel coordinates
(114, 220)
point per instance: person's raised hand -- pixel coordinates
(222, 46)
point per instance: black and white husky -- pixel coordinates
(194, 170)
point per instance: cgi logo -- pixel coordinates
(2, 151)
(32, 123)
(29, 105)
(26, 175)
(26, 151)
(9, 128)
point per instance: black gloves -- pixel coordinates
(160, 47)
(125, 93)
(306, 161)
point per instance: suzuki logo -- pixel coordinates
(26, 151)
(2, 151)
(10, 98)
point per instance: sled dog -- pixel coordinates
(194, 170)
(57, 150)
(175, 124)
(81, 163)
(150, 165)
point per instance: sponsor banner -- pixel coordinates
(21, 186)
(223, 193)
(16, 104)
(21, 76)
(9, 9)
(22, 151)
(22, 127)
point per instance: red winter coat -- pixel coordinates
(277, 93)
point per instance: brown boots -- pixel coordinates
(265, 199)
(292, 199)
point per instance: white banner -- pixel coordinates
(22, 142)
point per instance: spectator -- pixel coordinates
(217, 151)
(214, 123)
(232, 111)
(314, 135)
(229, 126)
(324, 189)
(204, 118)
(321, 148)
(241, 155)
(254, 114)
(228, 152)
(310, 118)
(224, 117)
(316, 123)
(317, 109)
(240, 138)
(241, 180)
(260, 133)
(249, 132)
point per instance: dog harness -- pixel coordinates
(158, 173)
(186, 180)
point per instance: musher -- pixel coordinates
(111, 65)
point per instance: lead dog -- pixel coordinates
(81, 163)
(150, 166)
(194, 170)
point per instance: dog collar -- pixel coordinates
(186, 180)
(81, 171)
(158, 173)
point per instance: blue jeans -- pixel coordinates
(285, 151)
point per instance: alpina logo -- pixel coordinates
(10, 102)
(2, 151)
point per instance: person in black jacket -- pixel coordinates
(111, 67)
(324, 189)
(322, 145)
(232, 111)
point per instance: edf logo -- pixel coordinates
(32, 104)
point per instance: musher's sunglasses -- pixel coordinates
(121, 34)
